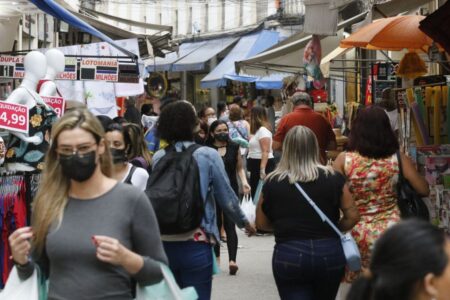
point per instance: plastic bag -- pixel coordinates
(258, 191)
(249, 208)
(21, 289)
(167, 289)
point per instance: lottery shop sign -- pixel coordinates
(14, 117)
(70, 69)
(57, 103)
(11, 67)
(104, 69)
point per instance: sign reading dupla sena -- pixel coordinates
(57, 103)
(70, 70)
(14, 117)
(105, 69)
(11, 67)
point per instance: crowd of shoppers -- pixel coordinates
(90, 205)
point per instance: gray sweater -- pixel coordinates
(70, 261)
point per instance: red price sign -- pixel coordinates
(14, 117)
(57, 103)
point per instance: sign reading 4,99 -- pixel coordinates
(14, 117)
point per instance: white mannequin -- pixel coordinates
(55, 65)
(35, 65)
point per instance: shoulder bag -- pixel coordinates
(349, 246)
(409, 202)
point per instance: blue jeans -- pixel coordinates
(191, 264)
(308, 269)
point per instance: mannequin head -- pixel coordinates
(55, 63)
(35, 65)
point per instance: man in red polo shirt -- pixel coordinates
(303, 114)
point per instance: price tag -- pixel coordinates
(57, 103)
(14, 117)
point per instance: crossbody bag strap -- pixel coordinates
(318, 211)
(400, 167)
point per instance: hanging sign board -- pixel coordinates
(57, 103)
(70, 70)
(14, 117)
(105, 69)
(11, 67)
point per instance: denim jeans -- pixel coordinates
(308, 269)
(191, 264)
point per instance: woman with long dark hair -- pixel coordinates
(371, 167)
(218, 138)
(410, 261)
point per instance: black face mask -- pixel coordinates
(78, 167)
(118, 155)
(221, 137)
(199, 140)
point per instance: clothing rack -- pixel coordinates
(17, 189)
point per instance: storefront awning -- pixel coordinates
(327, 60)
(159, 64)
(195, 61)
(247, 46)
(288, 55)
(59, 12)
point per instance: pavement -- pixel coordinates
(254, 279)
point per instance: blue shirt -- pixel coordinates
(214, 187)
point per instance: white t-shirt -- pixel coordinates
(139, 177)
(254, 148)
(393, 118)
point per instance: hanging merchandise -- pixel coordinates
(311, 59)
(13, 215)
(411, 66)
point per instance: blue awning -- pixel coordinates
(195, 61)
(165, 64)
(59, 12)
(271, 82)
(247, 46)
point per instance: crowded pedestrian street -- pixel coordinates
(224, 149)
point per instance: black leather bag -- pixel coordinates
(410, 203)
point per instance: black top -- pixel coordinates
(230, 162)
(293, 217)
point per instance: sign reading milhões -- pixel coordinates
(14, 117)
(70, 70)
(105, 69)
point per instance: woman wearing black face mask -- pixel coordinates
(229, 151)
(86, 225)
(123, 170)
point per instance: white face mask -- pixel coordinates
(211, 120)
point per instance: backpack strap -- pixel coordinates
(130, 174)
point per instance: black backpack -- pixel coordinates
(174, 191)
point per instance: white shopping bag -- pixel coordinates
(16, 289)
(249, 208)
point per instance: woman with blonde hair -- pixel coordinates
(260, 154)
(308, 260)
(91, 236)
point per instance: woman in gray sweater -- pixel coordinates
(91, 236)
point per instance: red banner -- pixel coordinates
(57, 103)
(14, 117)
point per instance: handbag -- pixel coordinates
(348, 243)
(167, 289)
(32, 288)
(409, 202)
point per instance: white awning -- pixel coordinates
(327, 60)
(288, 57)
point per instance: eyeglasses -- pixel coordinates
(79, 150)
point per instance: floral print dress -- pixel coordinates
(372, 183)
(41, 121)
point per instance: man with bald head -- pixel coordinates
(303, 114)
